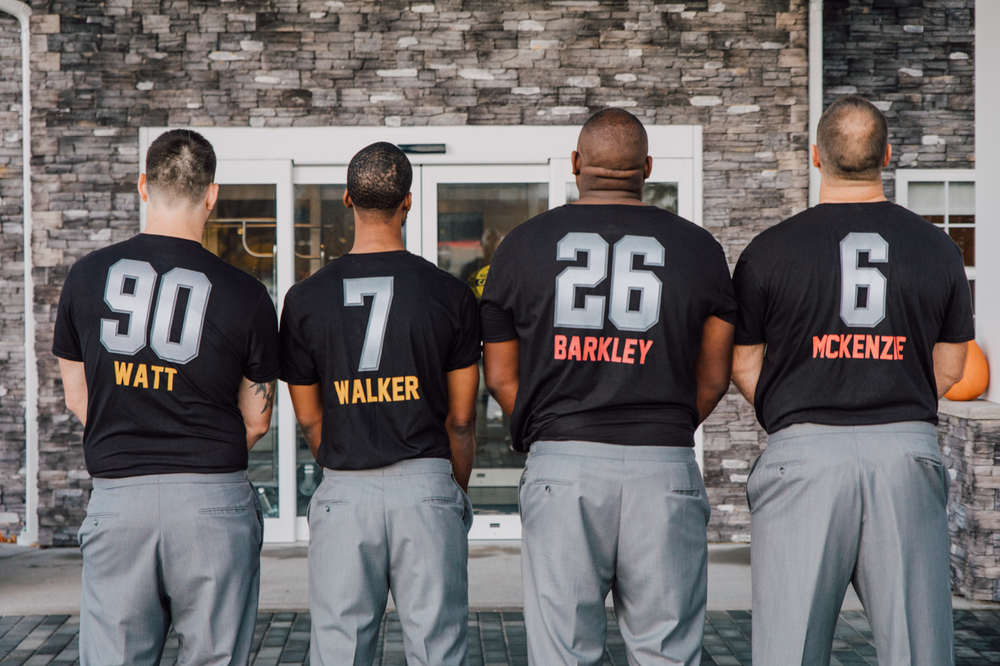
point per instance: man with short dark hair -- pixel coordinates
(608, 328)
(168, 357)
(381, 352)
(854, 319)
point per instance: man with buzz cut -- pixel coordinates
(608, 328)
(381, 350)
(169, 358)
(854, 319)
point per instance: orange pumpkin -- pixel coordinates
(975, 377)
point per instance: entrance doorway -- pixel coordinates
(281, 217)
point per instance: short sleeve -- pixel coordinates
(466, 348)
(723, 296)
(496, 319)
(958, 325)
(750, 302)
(261, 360)
(297, 364)
(66, 340)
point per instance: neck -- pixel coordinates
(604, 197)
(174, 223)
(377, 236)
(832, 190)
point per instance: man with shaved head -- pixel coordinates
(854, 319)
(608, 328)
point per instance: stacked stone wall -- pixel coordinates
(12, 379)
(971, 452)
(103, 69)
(915, 59)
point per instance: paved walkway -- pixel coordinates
(495, 638)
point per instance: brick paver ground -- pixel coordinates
(495, 638)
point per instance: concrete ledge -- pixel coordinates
(973, 410)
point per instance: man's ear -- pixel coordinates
(888, 155)
(141, 186)
(647, 167)
(814, 151)
(211, 196)
(576, 161)
(347, 200)
(408, 202)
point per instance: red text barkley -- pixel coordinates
(609, 350)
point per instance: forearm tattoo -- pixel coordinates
(267, 388)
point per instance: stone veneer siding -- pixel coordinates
(101, 70)
(11, 283)
(970, 445)
(915, 60)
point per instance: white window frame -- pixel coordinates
(906, 176)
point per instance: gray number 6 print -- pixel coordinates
(856, 280)
(380, 289)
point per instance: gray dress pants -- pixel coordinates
(402, 528)
(864, 504)
(171, 548)
(626, 519)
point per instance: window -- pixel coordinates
(946, 197)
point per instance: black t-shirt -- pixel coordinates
(166, 332)
(380, 332)
(608, 303)
(850, 300)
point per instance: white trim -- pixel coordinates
(698, 178)
(815, 90)
(988, 195)
(29, 535)
(504, 527)
(465, 144)
(906, 176)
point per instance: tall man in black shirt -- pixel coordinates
(169, 358)
(854, 319)
(608, 329)
(381, 352)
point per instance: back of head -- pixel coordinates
(613, 147)
(180, 165)
(379, 178)
(852, 138)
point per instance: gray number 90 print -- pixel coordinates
(625, 281)
(138, 301)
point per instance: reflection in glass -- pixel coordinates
(242, 230)
(474, 217)
(472, 221)
(661, 195)
(965, 237)
(324, 230)
(324, 227)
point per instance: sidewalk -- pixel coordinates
(40, 596)
(47, 582)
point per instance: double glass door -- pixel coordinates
(281, 223)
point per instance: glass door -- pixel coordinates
(467, 211)
(249, 224)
